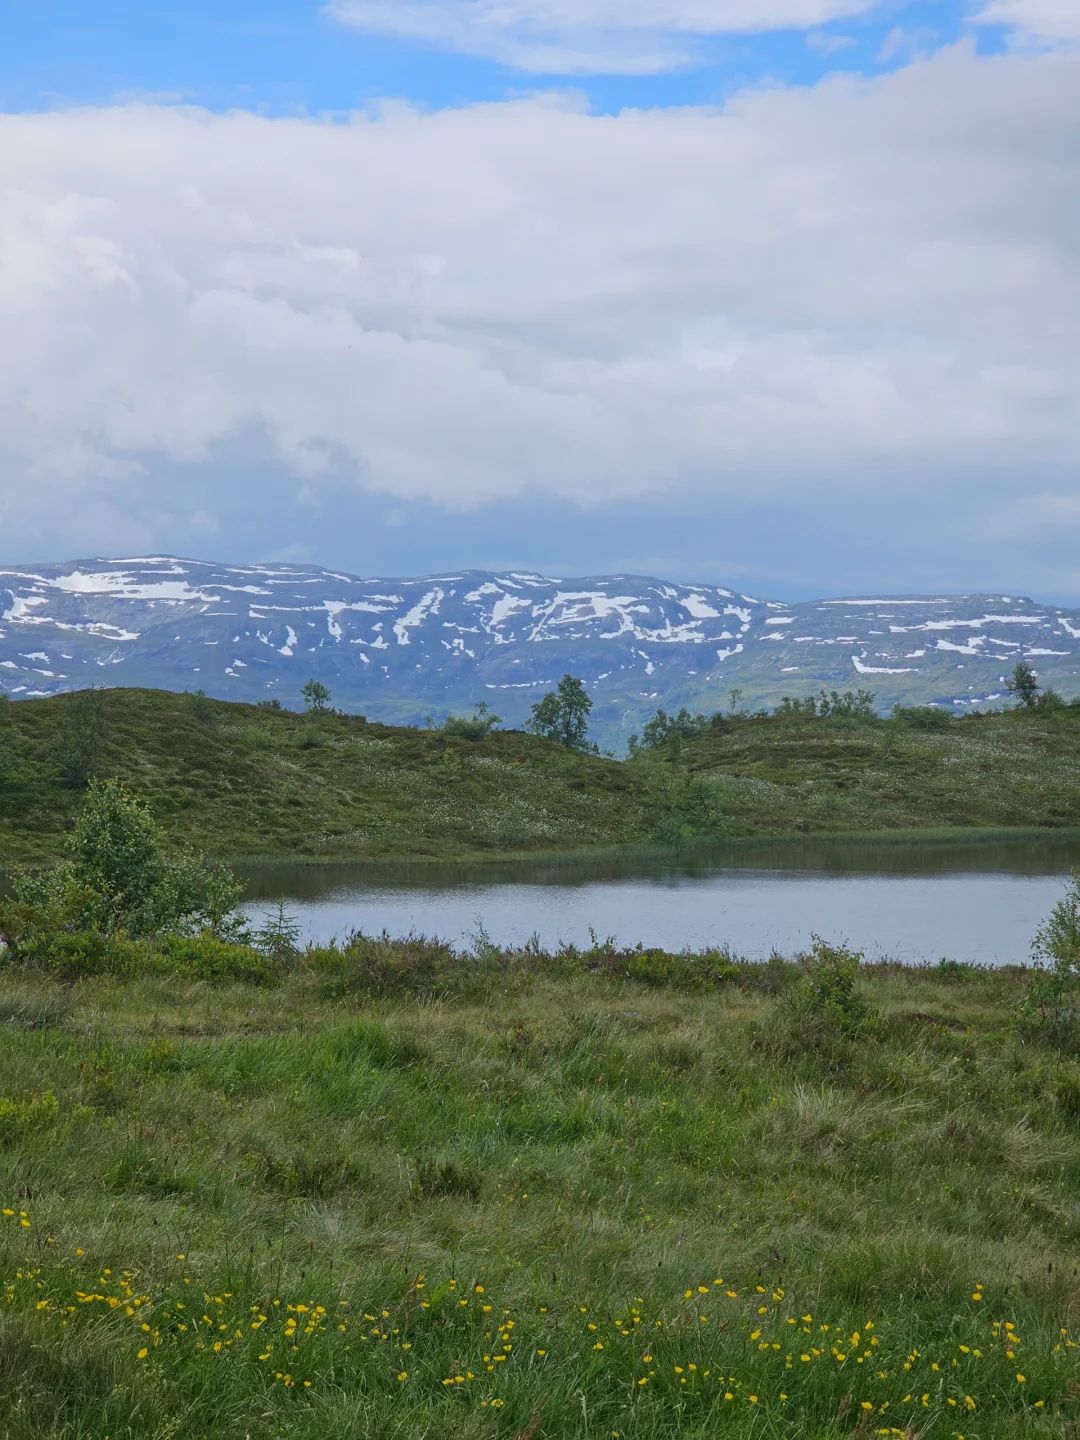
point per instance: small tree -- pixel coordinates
(80, 740)
(121, 880)
(1024, 684)
(1047, 1007)
(663, 727)
(563, 715)
(316, 696)
(278, 935)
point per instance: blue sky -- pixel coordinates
(780, 293)
(286, 56)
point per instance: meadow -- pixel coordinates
(621, 1195)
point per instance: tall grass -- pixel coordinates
(556, 1201)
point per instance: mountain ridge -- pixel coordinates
(400, 648)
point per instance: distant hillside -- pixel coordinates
(238, 779)
(398, 650)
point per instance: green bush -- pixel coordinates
(682, 971)
(74, 954)
(477, 726)
(379, 966)
(921, 717)
(204, 957)
(119, 882)
(821, 1017)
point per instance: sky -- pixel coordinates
(779, 294)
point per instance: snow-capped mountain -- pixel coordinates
(402, 649)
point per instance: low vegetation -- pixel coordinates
(404, 1193)
(258, 780)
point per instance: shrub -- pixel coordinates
(379, 966)
(204, 957)
(21, 1117)
(477, 726)
(829, 704)
(685, 971)
(316, 696)
(75, 954)
(120, 881)
(827, 987)
(822, 1015)
(658, 731)
(921, 717)
(199, 706)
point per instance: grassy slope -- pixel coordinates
(986, 770)
(590, 1153)
(250, 781)
(254, 781)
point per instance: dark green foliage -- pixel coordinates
(120, 881)
(379, 966)
(1049, 700)
(563, 715)
(1024, 684)
(827, 988)
(829, 705)
(659, 731)
(683, 971)
(316, 696)
(205, 957)
(80, 739)
(271, 782)
(921, 717)
(822, 1014)
(265, 780)
(477, 726)
(200, 706)
(14, 776)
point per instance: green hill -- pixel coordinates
(247, 780)
(1017, 768)
(242, 780)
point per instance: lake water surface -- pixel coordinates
(917, 902)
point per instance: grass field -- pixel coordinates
(543, 1203)
(240, 780)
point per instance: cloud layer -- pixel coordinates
(567, 37)
(1035, 19)
(834, 291)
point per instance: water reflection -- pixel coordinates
(971, 900)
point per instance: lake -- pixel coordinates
(978, 901)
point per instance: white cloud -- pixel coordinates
(826, 290)
(1035, 19)
(572, 37)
